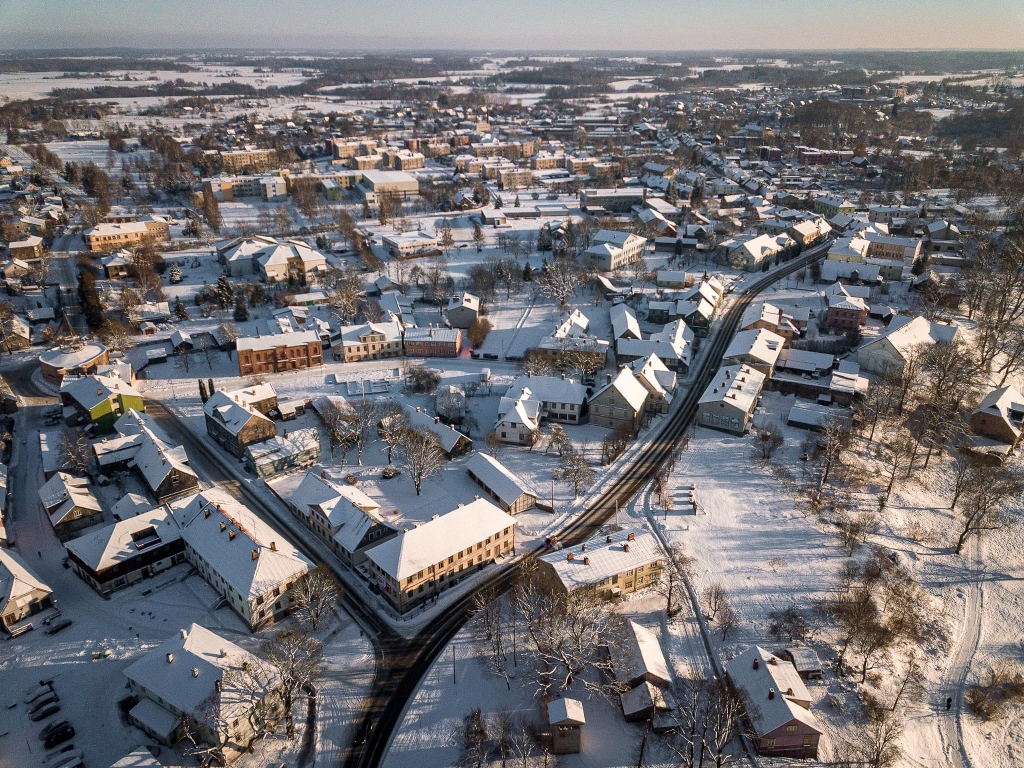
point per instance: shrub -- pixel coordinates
(478, 331)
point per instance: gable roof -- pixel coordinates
(106, 547)
(16, 580)
(230, 551)
(607, 558)
(628, 386)
(412, 551)
(185, 671)
(776, 675)
(505, 484)
(230, 411)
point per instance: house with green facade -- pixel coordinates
(98, 400)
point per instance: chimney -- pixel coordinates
(631, 537)
(771, 694)
(184, 634)
(727, 374)
(772, 661)
(563, 377)
(223, 525)
(625, 547)
(586, 561)
(273, 546)
(223, 653)
(323, 474)
(206, 512)
(437, 419)
(195, 671)
(216, 685)
(231, 535)
(570, 557)
(757, 663)
(255, 554)
(607, 539)
(170, 657)
(608, 376)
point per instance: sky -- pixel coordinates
(521, 25)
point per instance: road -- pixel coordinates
(408, 661)
(954, 682)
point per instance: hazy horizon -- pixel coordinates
(526, 26)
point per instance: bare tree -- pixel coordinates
(896, 456)
(559, 439)
(560, 280)
(421, 454)
(565, 631)
(77, 450)
(575, 470)
(909, 684)
(983, 508)
(769, 440)
(678, 567)
(317, 595)
(365, 416)
(345, 293)
(714, 598)
(727, 618)
(337, 419)
(789, 623)
(393, 424)
(835, 437)
(474, 740)
(297, 659)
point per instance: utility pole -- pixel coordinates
(454, 679)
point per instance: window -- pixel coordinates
(791, 728)
(769, 743)
(629, 572)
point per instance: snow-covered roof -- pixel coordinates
(549, 389)
(16, 580)
(464, 300)
(293, 339)
(653, 374)
(63, 493)
(759, 344)
(90, 391)
(738, 385)
(248, 554)
(607, 558)
(447, 436)
(628, 386)
(1000, 402)
(106, 547)
(566, 712)
(761, 311)
(641, 698)
(185, 672)
(279, 446)
(131, 504)
(439, 538)
(624, 322)
(912, 332)
(231, 412)
(498, 478)
(773, 693)
(155, 460)
(642, 655)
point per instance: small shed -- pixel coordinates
(566, 718)
(804, 660)
(641, 703)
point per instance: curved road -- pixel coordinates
(408, 660)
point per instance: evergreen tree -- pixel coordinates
(225, 293)
(527, 273)
(241, 311)
(179, 309)
(175, 273)
(91, 306)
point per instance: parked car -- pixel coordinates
(37, 693)
(58, 626)
(45, 712)
(52, 727)
(62, 754)
(59, 736)
(43, 701)
(71, 760)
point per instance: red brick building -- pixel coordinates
(279, 352)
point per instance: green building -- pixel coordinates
(98, 400)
